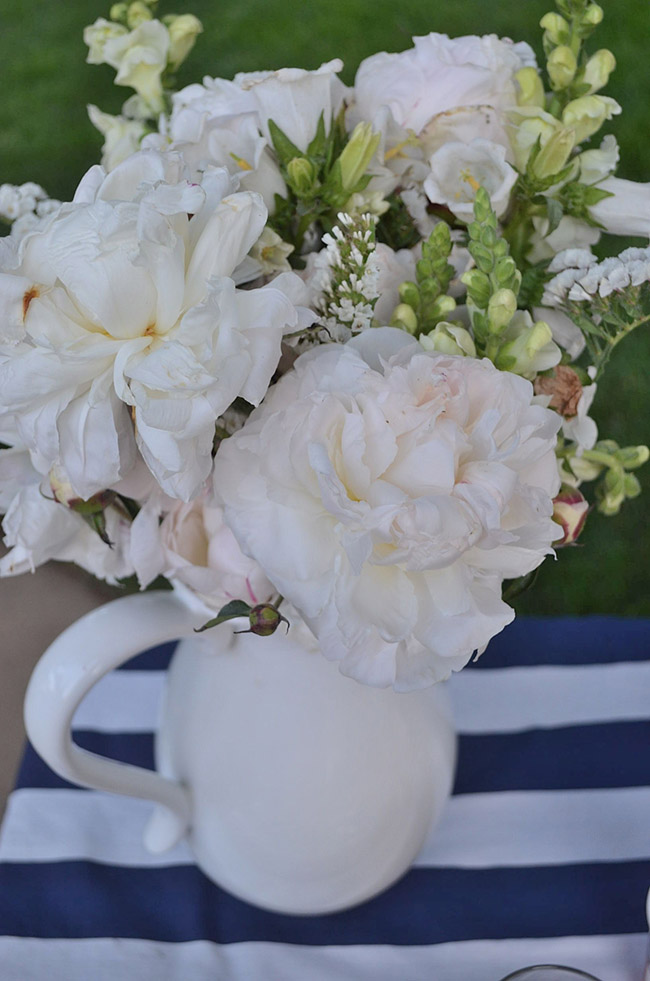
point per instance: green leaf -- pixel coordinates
(285, 149)
(231, 611)
(317, 146)
(555, 213)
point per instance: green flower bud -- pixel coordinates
(555, 153)
(449, 339)
(404, 317)
(478, 287)
(118, 12)
(631, 485)
(409, 293)
(506, 273)
(587, 114)
(443, 305)
(183, 32)
(530, 88)
(302, 174)
(562, 66)
(520, 354)
(593, 15)
(613, 491)
(137, 14)
(501, 309)
(632, 457)
(598, 69)
(555, 27)
(357, 154)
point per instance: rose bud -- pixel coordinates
(570, 511)
(264, 620)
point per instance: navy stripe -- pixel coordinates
(579, 757)
(131, 747)
(568, 640)
(155, 659)
(612, 754)
(82, 899)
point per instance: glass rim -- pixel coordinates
(548, 967)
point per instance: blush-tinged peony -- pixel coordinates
(193, 545)
(123, 327)
(442, 74)
(386, 492)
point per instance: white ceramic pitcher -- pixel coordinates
(301, 790)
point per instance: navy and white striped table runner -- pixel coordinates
(543, 854)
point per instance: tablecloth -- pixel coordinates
(542, 855)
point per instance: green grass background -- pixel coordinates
(45, 136)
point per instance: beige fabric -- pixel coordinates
(33, 610)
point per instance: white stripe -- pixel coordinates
(612, 958)
(67, 825)
(123, 701)
(513, 699)
(477, 830)
(530, 828)
(488, 700)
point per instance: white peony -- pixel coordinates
(122, 325)
(37, 528)
(440, 74)
(386, 492)
(226, 123)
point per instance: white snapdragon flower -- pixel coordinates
(386, 492)
(441, 74)
(140, 58)
(627, 211)
(122, 136)
(127, 328)
(459, 169)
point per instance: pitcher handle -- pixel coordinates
(90, 648)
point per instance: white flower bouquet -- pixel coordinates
(304, 347)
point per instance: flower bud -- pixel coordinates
(570, 510)
(91, 510)
(562, 66)
(478, 287)
(302, 175)
(264, 620)
(137, 13)
(631, 485)
(501, 309)
(409, 293)
(587, 114)
(555, 27)
(118, 12)
(521, 354)
(449, 339)
(442, 306)
(530, 88)
(404, 317)
(633, 456)
(555, 153)
(183, 32)
(598, 69)
(357, 154)
(593, 15)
